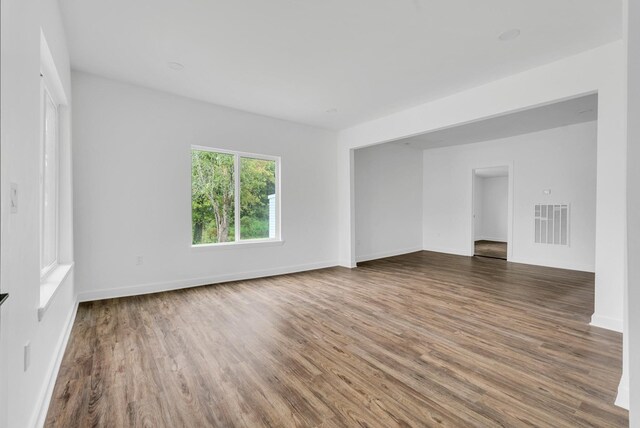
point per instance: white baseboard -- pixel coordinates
(347, 264)
(608, 323)
(384, 254)
(157, 287)
(582, 267)
(622, 400)
(454, 251)
(45, 397)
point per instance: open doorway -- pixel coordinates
(491, 212)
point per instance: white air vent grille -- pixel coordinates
(552, 224)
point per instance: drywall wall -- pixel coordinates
(24, 394)
(477, 207)
(561, 159)
(491, 208)
(629, 390)
(388, 192)
(600, 70)
(132, 175)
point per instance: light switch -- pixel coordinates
(547, 191)
(14, 198)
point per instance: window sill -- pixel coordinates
(50, 285)
(242, 244)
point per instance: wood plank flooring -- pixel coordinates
(494, 249)
(424, 339)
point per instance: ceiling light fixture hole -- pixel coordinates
(175, 66)
(509, 35)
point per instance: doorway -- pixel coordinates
(491, 212)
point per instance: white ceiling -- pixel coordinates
(576, 110)
(297, 59)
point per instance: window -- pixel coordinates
(234, 197)
(54, 165)
(48, 183)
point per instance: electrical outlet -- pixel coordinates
(27, 356)
(139, 260)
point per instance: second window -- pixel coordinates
(234, 196)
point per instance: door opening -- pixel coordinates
(490, 212)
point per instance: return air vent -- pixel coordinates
(552, 224)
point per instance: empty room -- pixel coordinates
(332, 213)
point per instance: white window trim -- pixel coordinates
(47, 93)
(54, 275)
(238, 243)
(50, 285)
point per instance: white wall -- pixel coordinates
(478, 183)
(388, 192)
(491, 208)
(24, 394)
(132, 175)
(630, 384)
(561, 159)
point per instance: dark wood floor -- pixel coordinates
(424, 339)
(493, 249)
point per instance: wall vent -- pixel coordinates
(552, 224)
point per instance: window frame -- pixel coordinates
(238, 241)
(46, 93)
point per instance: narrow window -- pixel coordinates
(234, 197)
(48, 184)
